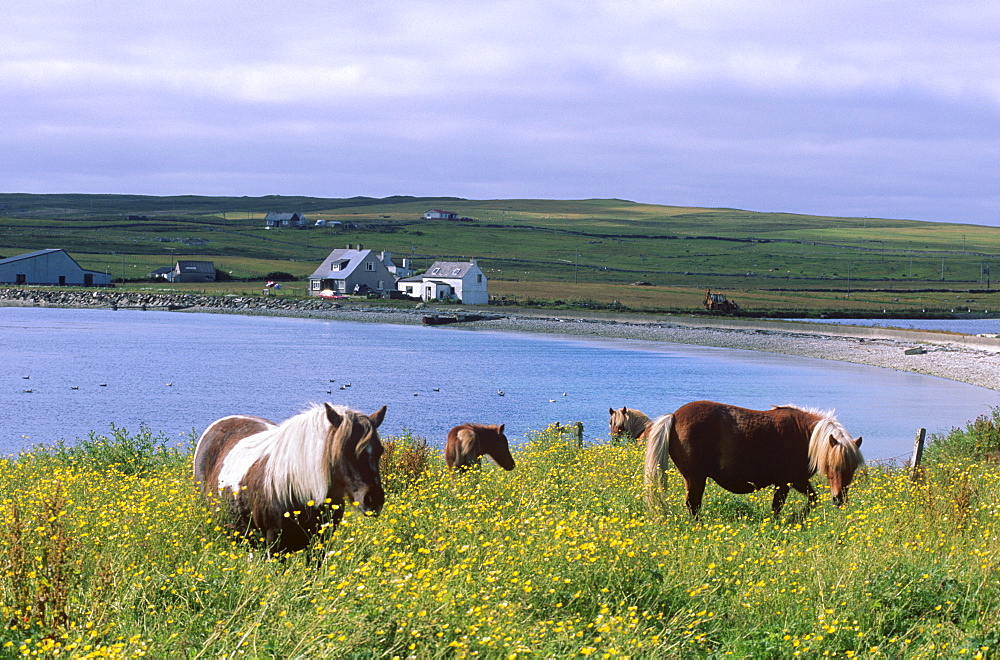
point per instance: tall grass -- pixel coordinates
(558, 558)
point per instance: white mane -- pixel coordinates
(298, 460)
(824, 456)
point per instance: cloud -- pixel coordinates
(839, 107)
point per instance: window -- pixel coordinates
(457, 271)
(479, 278)
(370, 266)
(435, 271)
(314, 285)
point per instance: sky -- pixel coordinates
(840, 107)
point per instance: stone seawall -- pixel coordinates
(108, 299)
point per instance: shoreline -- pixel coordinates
(963, 358)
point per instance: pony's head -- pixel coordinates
(355, 448)
(835, 454)
(494, 443)
(627, 422)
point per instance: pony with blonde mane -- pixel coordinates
(745, 450)
(288, 480)
(629, 423)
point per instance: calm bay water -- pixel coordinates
(177, 372)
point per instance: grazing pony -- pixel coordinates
(629, 423)
(746, 450)
(286, 481)
(467, 442)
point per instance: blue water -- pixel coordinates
(177, 372)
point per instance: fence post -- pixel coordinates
(918, 452)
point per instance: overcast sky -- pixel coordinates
(859, 108)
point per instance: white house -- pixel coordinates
(449, 280)
(399, 271)
(353, 270)
(438, 214)
(52, 266)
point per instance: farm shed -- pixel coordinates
(52, 266)
(284, 220)
(192, 271)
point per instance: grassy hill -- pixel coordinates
(566, 250)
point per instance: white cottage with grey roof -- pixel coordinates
(353, 270)
(461, 281)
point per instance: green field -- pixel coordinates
(542, 250)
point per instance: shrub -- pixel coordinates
(978, 441)
(280, 276)
(405, 460)
(136, 454)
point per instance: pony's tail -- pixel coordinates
(657, 458)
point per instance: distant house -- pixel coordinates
(192, 271)
(52, 266)
(353, 270)
(284, 220)
(399, 271)
(438, 214)
(162, 273)
(449, 280)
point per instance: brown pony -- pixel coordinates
(629, 423)
(746, 450)
(467, 442)
(287, 481)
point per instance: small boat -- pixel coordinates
(444, 319)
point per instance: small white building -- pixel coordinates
(52, 266)
(461, 281)
(438, 214)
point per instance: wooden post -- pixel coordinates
(918, 452)
(578, 433)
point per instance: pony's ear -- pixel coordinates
(611, 411)
(857, 442)
(332, 415)
(501, 428)
(833, 441)
(377, 417)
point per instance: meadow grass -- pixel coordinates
(558, 558)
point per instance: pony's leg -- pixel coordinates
(810, 493)
(780, 493)
(695, 491)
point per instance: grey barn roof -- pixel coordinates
(30, 255)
